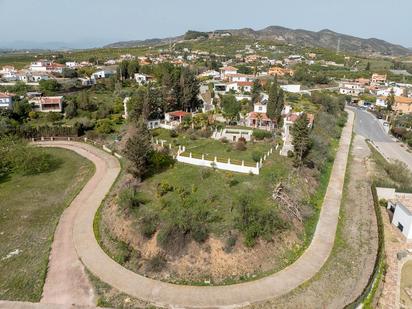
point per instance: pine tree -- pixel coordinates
(275, 103)
(138, 148)
(256, 90)
(301, 140)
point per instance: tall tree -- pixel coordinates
(256, 90)
(275, 103)
(231, 107)
(390, 101)
(301, 140)
(138, 149)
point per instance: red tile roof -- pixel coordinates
(7, 95)
(254, 115)
(179, 114)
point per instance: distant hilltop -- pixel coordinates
(324, 38)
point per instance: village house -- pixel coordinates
(351, 88)
(102, 74)
(378, 79)
(234, 78)
(47, 104)
(142, 79)
(210, 74)
(400, 205)
(403, 105)
(227, 71)
(291, 88)
(72, 64)
(6, 100)
(207, 100)
(280, 71)
(39, 66)
(259, 118)
(174, 119)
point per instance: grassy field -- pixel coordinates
(211, 148)
(30, 207)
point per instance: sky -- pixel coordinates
(93, 23)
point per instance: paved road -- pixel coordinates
(169, 295)
(369, 127)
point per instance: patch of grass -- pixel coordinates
(30, 208)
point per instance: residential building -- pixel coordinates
(102, 74)
(211, 74)
(259, 118)
(280, 71)
(6, 100)
(400, 205)
(229, 70)
(291, 88)
(351, 88)
(142, 79)
(47, 104)
(378, 79)
(403, 105)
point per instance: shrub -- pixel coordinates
(242, 139)
(233, 182)
(205, 173)
(129, 199)
(163, 188)
(256, 156)
(240, 145)
(53, 116)
(224, 140)
(148, 225)
(159, 161)
(193, 136)
(261, 134)
(157, 263)
(33, 115)
(199, 233)
(104, 126)
(173, 133)
(230, 243)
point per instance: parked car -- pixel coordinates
(386, 124)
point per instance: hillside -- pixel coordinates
(324, 38)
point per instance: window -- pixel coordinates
(400, 227)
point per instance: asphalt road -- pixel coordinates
(368, 126)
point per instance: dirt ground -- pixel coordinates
(347, 271)
(200, 263)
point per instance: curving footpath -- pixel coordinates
(178, 296)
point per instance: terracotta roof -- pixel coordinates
(178, 114)
(243, 84)
(403, 100)
(7, 95)
(254, 115)
(228, 69)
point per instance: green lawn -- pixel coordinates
(30, 207)
(211, 148)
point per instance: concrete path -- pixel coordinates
(66, 281)
(176, 296)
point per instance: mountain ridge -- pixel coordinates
(324, 38)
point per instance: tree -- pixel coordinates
(138, 149)
(275, 104)
(49, 86)
(368, 66)
(21, 109)
(71, 110)
(390, 101)
(231, 107)
(256, 90)
(301, 140)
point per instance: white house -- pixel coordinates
(142, 79)
(291, 88)
(351, 88)
(210, 73)
(381, 101)
(227, 71)
(102, 74)
(39, 66)
(6, 100)
(400, 204)
(72, 64)
(398, 91)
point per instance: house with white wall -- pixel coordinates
(142, 79)
(351, 88)
(47, 104)
(225, 71)
(6, 100)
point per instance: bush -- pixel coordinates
(242, 140)
(230, 243)
(233, 182)
(33, 161)
(159, 161)
(149, 225)
(173, 133)
(163, 188)
(53, 116)
(261, 134)
(129, 199)
(199, 233)
(256, 156)
(157, 263)
(205, 173)
(240, 145)
(104, 126)
(224, 140)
